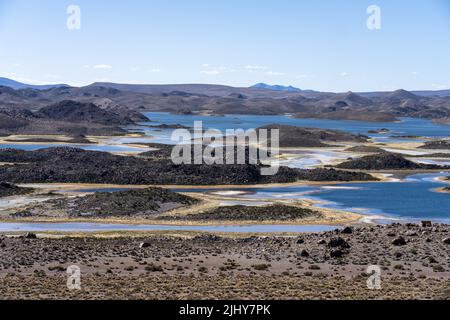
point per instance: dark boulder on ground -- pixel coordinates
(304, 253)
(338, 243)
(347, 230)
(400, 241)
(143, 245)
(426, 224)
(30, 235)
(337, 253)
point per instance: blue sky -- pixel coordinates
(321, 45)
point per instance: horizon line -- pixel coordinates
(209, 84)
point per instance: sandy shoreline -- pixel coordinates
(80, 186)
(97, 141)
(208, 201)
(330, 217)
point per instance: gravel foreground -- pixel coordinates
(414, 263)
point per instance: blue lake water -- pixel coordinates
(106, 148)
(406, 127)
(412, 199)
(99, 227)
(93, 190)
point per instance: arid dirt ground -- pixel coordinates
(414, 262)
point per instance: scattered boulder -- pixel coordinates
(347, 230)
(338, 243)
(337, 253)
(426, 224)
(144, 245)
(391, 234)
(304, 253)
(207, 238)
(446, 240)
(30, 235)
(411, 233)
(400, 241)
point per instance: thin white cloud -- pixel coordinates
(102, 66)
(275, 73)
(255, 67)
(304, 76)
(344, 74)
(156, 70)
(210, 72)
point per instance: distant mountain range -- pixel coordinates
(5, 82)
(212, 89)
(266, 86)
(220, 99)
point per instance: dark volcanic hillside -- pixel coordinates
(68, 118)
(7, 190)
(291, 136)
(143, 203)
(63, 165)
(438, 145)
(385, 161)
(245, 213)
(19, 85)
(216, 99)
(73, 111)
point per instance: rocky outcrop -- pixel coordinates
(333, 113)
(292, 136)
(72, 111)
(80, 166)
(365, 149)
(245, 213)
(8, 189)
(142, 203)
(436, 145)
(385, 161)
